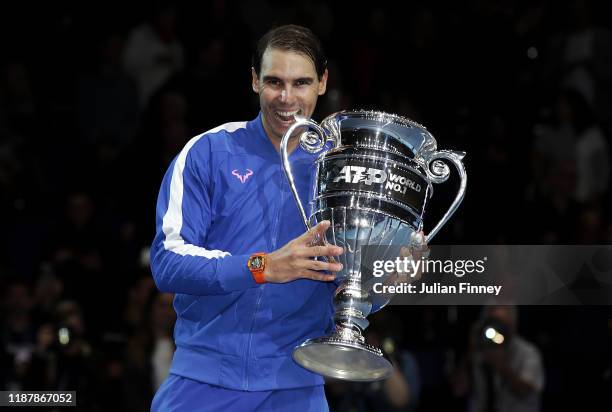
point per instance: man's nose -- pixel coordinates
(286, 94)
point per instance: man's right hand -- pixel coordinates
(294, 260)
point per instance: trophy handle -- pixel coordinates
(438, 172)
(312, 142)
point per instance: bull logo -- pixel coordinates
(242, 177)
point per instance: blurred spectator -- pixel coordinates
(162, 325)
(79, 240)
(11, 166)
(212, 61)
(139, 295)
(107, 101)
(67, 359)
(495, 152)
(337, 98)
(48, 290)
(318, 16)
(17, 335)
(501, 371)
(575, 136)
(164, 132)
(149, 352)
(399, 392)
(153, 52)
(174, 128)
(586, 51)
(428, 335)
(592, 227)
(54, 356)
(555, 213)
(367, 52)
(571, 167)
(592, 149)
(17, 100)
(209, 66)
(79, 249)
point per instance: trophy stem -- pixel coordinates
(350, 333)
(345, 354)
(352, 304)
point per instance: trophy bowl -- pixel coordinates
(373, 178)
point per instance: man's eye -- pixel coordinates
(273, 82)
(301, 83)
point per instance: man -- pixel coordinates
(224, 199)
(506, 371)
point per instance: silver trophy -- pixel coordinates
(374, 176)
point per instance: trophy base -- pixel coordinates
(342, 359)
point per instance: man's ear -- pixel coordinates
(323, 83)
(254, 81)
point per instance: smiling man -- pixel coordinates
(230, 246)
(289, 74)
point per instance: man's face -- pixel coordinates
(287, 86)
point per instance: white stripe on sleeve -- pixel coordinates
(173, 219)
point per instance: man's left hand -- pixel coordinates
(416, 250)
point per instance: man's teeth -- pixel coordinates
(287, 114)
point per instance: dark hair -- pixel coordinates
(293, 38)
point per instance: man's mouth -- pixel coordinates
(287, 117)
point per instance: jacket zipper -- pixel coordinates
(261, 288)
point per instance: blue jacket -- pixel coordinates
(223, 198)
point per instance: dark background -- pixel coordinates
(524, 87)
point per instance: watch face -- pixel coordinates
(256, 262)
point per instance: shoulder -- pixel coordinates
(225, 134)
(221, 138)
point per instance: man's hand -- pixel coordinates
(416, 250)
(294, 260)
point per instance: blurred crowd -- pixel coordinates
(97, 99)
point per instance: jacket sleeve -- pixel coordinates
(180, 262)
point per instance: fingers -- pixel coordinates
(417, 247)
(320, 265)
(320, 248)
(314, 232)
(313, 269)
(311, 274)
(328, 250)
(418, 239)
(405, 251)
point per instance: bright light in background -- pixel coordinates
(388, 346)
(64, 336)
(494, 335)
(499, 338)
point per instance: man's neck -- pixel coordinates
(276, 140)
(291, 144)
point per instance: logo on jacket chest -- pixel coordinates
(242, 174)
